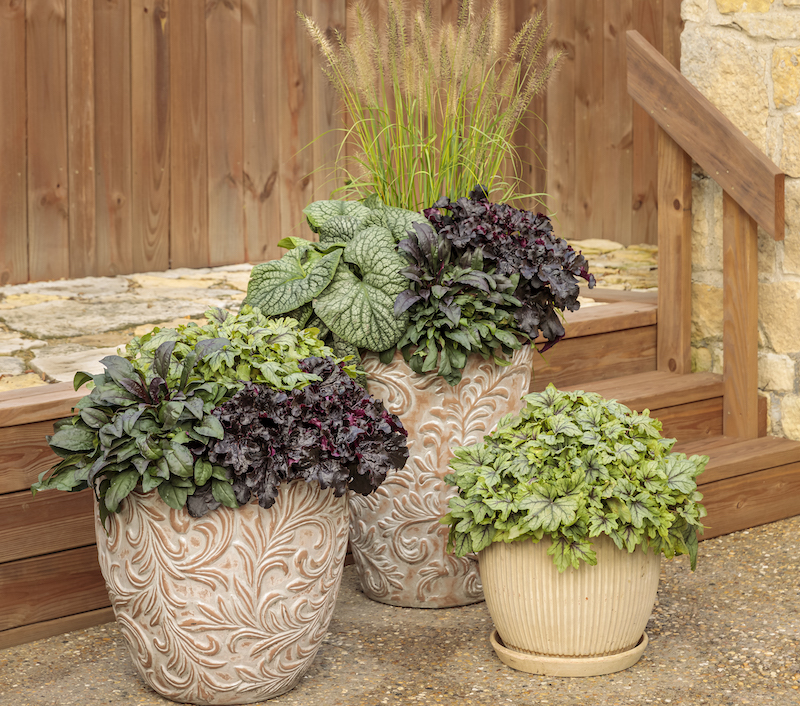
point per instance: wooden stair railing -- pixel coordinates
(691, 128)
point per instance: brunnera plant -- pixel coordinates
(434, 106)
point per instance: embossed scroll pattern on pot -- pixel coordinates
(398, 543)
(229, 608)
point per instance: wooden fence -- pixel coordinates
(139, 135)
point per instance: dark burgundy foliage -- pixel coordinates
(515, 241)
(330, 432)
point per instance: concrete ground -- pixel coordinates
(725, 635)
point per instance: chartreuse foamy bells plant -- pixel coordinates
(570, 505)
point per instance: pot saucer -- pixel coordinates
(567, 666)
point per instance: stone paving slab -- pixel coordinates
(725, 635)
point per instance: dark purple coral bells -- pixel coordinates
(330, 432)
(483, 276)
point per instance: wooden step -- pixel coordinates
(747, 483)
(688, 406)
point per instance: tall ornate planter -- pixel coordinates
(229, 608)
(584, 622)
(397, 541)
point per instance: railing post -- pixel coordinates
(674, 257)
(740, 323)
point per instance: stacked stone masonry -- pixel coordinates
(744, 56)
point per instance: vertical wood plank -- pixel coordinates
(189, 245)
(327, 118)
(113, 135)
(531, 137)
(618, 123)
(672, 26)
(150, 29)
(589, 119)
(260, 75)
(647, 19)
(13, 181)
(740, 321)
(224, 131)
(81, 154)
(561, 121)
(296, 118)
(674, 257)
(46, 70)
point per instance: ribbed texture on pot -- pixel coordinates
(592, 611)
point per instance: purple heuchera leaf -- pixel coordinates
(516, 241)
(330, 432)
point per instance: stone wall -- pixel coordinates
(744, 55)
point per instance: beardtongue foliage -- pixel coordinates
(330, 432)
(148, 421)
(572, 466)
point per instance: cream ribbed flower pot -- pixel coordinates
(583, 622)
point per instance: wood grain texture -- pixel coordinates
(647, 19)
(710, 138)
(327, 112)
(617, 125)
(575, 361)
(674, 257)
(224, 131)
(561, 157)
(657, 389)
(295, 98)
(616, 316)
(49, 522)
(589, 119)
(261, 134)
(729, 458)
(52, 586)
(112, 56)
(13, 157)
(46, 76)
(189, 246)
(150, 133)
(691, 422)
(24, 454)
(81, 153)
(751, 500)
(58, 626)
(38, 404)
(740, 319)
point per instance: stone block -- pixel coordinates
(790, 159)
(60, 363)
(725, 66)
(694, 10)
(706, 236)
(706, 312)
(11, 366)
(785, 76)
(701, 360)
(791, 245)
(776, 372)
(726, 6)
(779, 314)
(790, 416)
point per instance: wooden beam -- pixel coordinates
(740, 322)
(48, 628)
(710, 138)
(674, 257)
(36, 404)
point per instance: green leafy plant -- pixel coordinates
(345, 285)
(434, 108)
(571, 466)
(150, 419)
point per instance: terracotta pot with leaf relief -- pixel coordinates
(222, 517)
